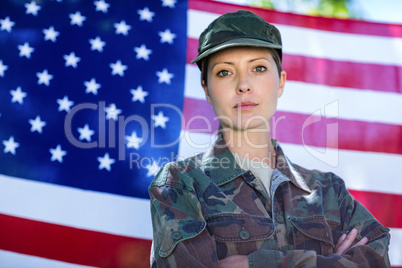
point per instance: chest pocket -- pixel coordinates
(315, 233)
(239, 234)
(175, 231)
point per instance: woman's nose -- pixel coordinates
(244, 85)
(243, 90)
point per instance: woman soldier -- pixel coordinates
(243, 203)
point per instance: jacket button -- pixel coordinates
(279, 218)
(176, 235)
(244, 234)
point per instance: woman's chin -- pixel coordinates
(261, 127)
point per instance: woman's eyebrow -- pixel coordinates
(260, 58)
(222, 62)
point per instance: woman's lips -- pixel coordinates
(245, 105)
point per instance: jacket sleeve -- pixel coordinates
(180, 237)
(353, 215)
(370, 255)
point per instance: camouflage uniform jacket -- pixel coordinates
(206, 208)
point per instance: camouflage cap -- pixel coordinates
(240, 28)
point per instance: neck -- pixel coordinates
(253, 145)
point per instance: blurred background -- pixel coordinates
(367, 10)
(95, 96)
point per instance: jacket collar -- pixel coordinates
(220, 165)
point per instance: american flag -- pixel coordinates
(96, 96)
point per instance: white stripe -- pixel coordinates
(75, 208)
(85, 212)
(341, 46)
(395, 247)
(192, 83)
(11, 259)
(363, 171)
(364, 105)
(321, 44)
(376, 172)
(15, 260)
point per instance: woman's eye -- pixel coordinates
(223, 73)
(260, 69)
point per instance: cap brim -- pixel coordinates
(241, 42)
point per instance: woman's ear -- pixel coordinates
(282, 82)
(204, 86)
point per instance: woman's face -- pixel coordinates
(243, 87)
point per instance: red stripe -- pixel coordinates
(333, 73)
(319, 23)
(199, 116)
(91, 248)
(304, 129)
(343, 74)
(192, 52)
(352, 136)
(72, 245)
(380, 204)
